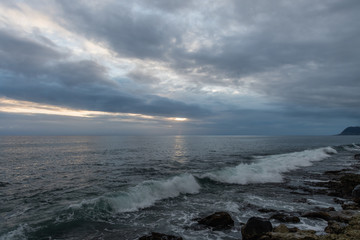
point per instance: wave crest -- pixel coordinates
(269, 168)
(142, 195)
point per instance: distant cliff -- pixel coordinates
(351, 131)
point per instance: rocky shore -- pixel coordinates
(344, 224)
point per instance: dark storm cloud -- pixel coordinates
(39, 73)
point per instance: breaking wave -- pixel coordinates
(142, 195)
(269, 168)
(353, 148)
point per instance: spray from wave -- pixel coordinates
(269, 168)
(142, 195)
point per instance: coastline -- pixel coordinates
(342, 224)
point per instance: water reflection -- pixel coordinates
(179, 150)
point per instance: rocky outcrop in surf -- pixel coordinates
(285, 218)
(218, 221)
(255, 228)
(160, 236)
(342, 225)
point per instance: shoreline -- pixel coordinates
(342, 224)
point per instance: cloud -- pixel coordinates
(275, 60)
(130, 31)
(25, 56)
(39, 73)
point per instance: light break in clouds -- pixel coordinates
(179, 67)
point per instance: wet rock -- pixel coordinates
(285, 218)
(322, 209)
(342, 186)
(357, 156)
(355, 194)
(350, 206)
(321, 215)
(218, 221)
(160, 236)
(335, 172)
(255, 228)
(282, 228)
(266, 210)
(298, 235)
(335, 227)
(350, 232)
(342, 216)
(338, 201)
(347, 183)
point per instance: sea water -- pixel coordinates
(125, 187)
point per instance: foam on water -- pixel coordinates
(143, 195)
(17, 234)
(269, 168)
(352, 148)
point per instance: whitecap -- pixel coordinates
(269, 169)
(143, 195)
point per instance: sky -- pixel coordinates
(239, 67)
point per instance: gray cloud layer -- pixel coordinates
(39, 73)
(302, 56)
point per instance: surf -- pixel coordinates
(269, 169)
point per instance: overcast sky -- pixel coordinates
(261, 67)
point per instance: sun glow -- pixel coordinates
(31, 108)
(180, 119)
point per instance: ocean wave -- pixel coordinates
(353, 148)
(17, 234)
(268, 169)
(142, 195)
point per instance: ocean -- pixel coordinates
(124, 187)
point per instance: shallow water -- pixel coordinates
(125, 187)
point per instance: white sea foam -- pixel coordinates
(269, 168)
(17, 234)
(354, 147)
(144, 194)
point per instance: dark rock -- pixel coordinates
(341, 216)
(321, 215)
(298, 235)
(356, 194)
(350, 206)
(336, 172)
(357, 156)
(266, 210)
(342, 186)
(335, 227)
(282, 228)
(348, 183)
(218, 221)
(328, 209)
(160, 236)
(338, 201)
(285, 218)
(255, 228)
